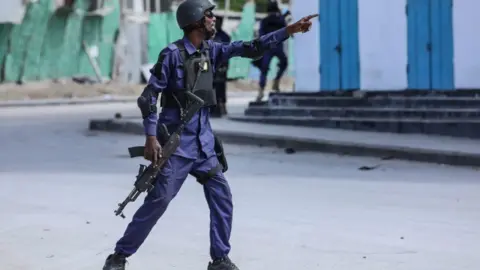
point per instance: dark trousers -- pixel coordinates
(265, 65)
(221, 91)
(169, 181)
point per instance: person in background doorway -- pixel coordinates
(273, 22)
(220, 78)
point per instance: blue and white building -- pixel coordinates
(388, 45)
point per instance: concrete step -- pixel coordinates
(467, 128)
(403, 102)
(362, 112)
(382, 93)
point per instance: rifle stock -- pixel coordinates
(136, 151)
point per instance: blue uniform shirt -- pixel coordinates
(197, 135)
(221, 36)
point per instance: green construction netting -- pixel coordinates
(48, 44)
(25, 40)
(100, 32)
(162, 30)
(240, 67)
(5, 30)
(52, 47)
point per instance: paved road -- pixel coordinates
(59, 185)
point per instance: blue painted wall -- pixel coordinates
(339, 51)
(329, 45)
(350, 61)
(442, 44)
(430, 44)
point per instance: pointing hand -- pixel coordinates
(303, 25)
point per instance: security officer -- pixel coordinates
(220, 78)
(187, 65)
(273, 22)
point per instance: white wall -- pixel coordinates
(307, 48)
(466, 43)
(383, 44)
(12, 11)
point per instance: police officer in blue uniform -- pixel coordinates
(273, 22)
(188, 65)
(220, 78)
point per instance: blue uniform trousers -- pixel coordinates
(265, 65)
(169, 181)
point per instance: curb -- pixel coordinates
(118, 126)
(73, 101)
(317, 145)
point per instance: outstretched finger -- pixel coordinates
(309, 17)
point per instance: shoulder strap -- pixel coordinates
(205, 45)
(181, 48)
(183, 54)
(207, 52)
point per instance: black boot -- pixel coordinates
(223, 109)
(260, 94)
(115, 262)
(222, 264)
(276, 86)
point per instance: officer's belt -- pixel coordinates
(202, 178)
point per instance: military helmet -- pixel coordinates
(191, 11)
(272, 6)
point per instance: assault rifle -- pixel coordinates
(145, 179)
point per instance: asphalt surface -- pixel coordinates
(60, 183)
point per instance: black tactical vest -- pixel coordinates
(198, 78)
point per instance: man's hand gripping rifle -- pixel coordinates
(147, 174)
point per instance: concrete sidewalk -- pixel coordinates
(243, 96)
(67, 101)
(433, 149)
(67, 92)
